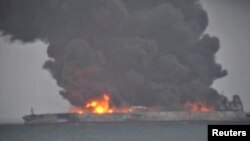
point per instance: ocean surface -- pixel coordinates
(115, 131)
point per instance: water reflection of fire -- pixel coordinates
(198, 107)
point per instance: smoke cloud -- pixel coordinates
(141, 52)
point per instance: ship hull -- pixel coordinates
(138, 116)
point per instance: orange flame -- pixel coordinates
(99, 106)
(198, 107)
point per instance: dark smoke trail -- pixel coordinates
(142, 52)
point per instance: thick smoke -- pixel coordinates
(141, 52)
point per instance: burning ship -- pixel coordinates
(226, 116)
(143, 52)
(99, 110)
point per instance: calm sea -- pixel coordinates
(125, 131)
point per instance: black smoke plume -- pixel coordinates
(141, 52)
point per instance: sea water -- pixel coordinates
(110, 131)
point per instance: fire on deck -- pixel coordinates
(138, 116)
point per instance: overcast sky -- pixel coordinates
(24, 84)
(230, 21)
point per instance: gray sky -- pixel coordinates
(230, 21)
(24, 84)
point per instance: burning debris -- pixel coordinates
(143, 52)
